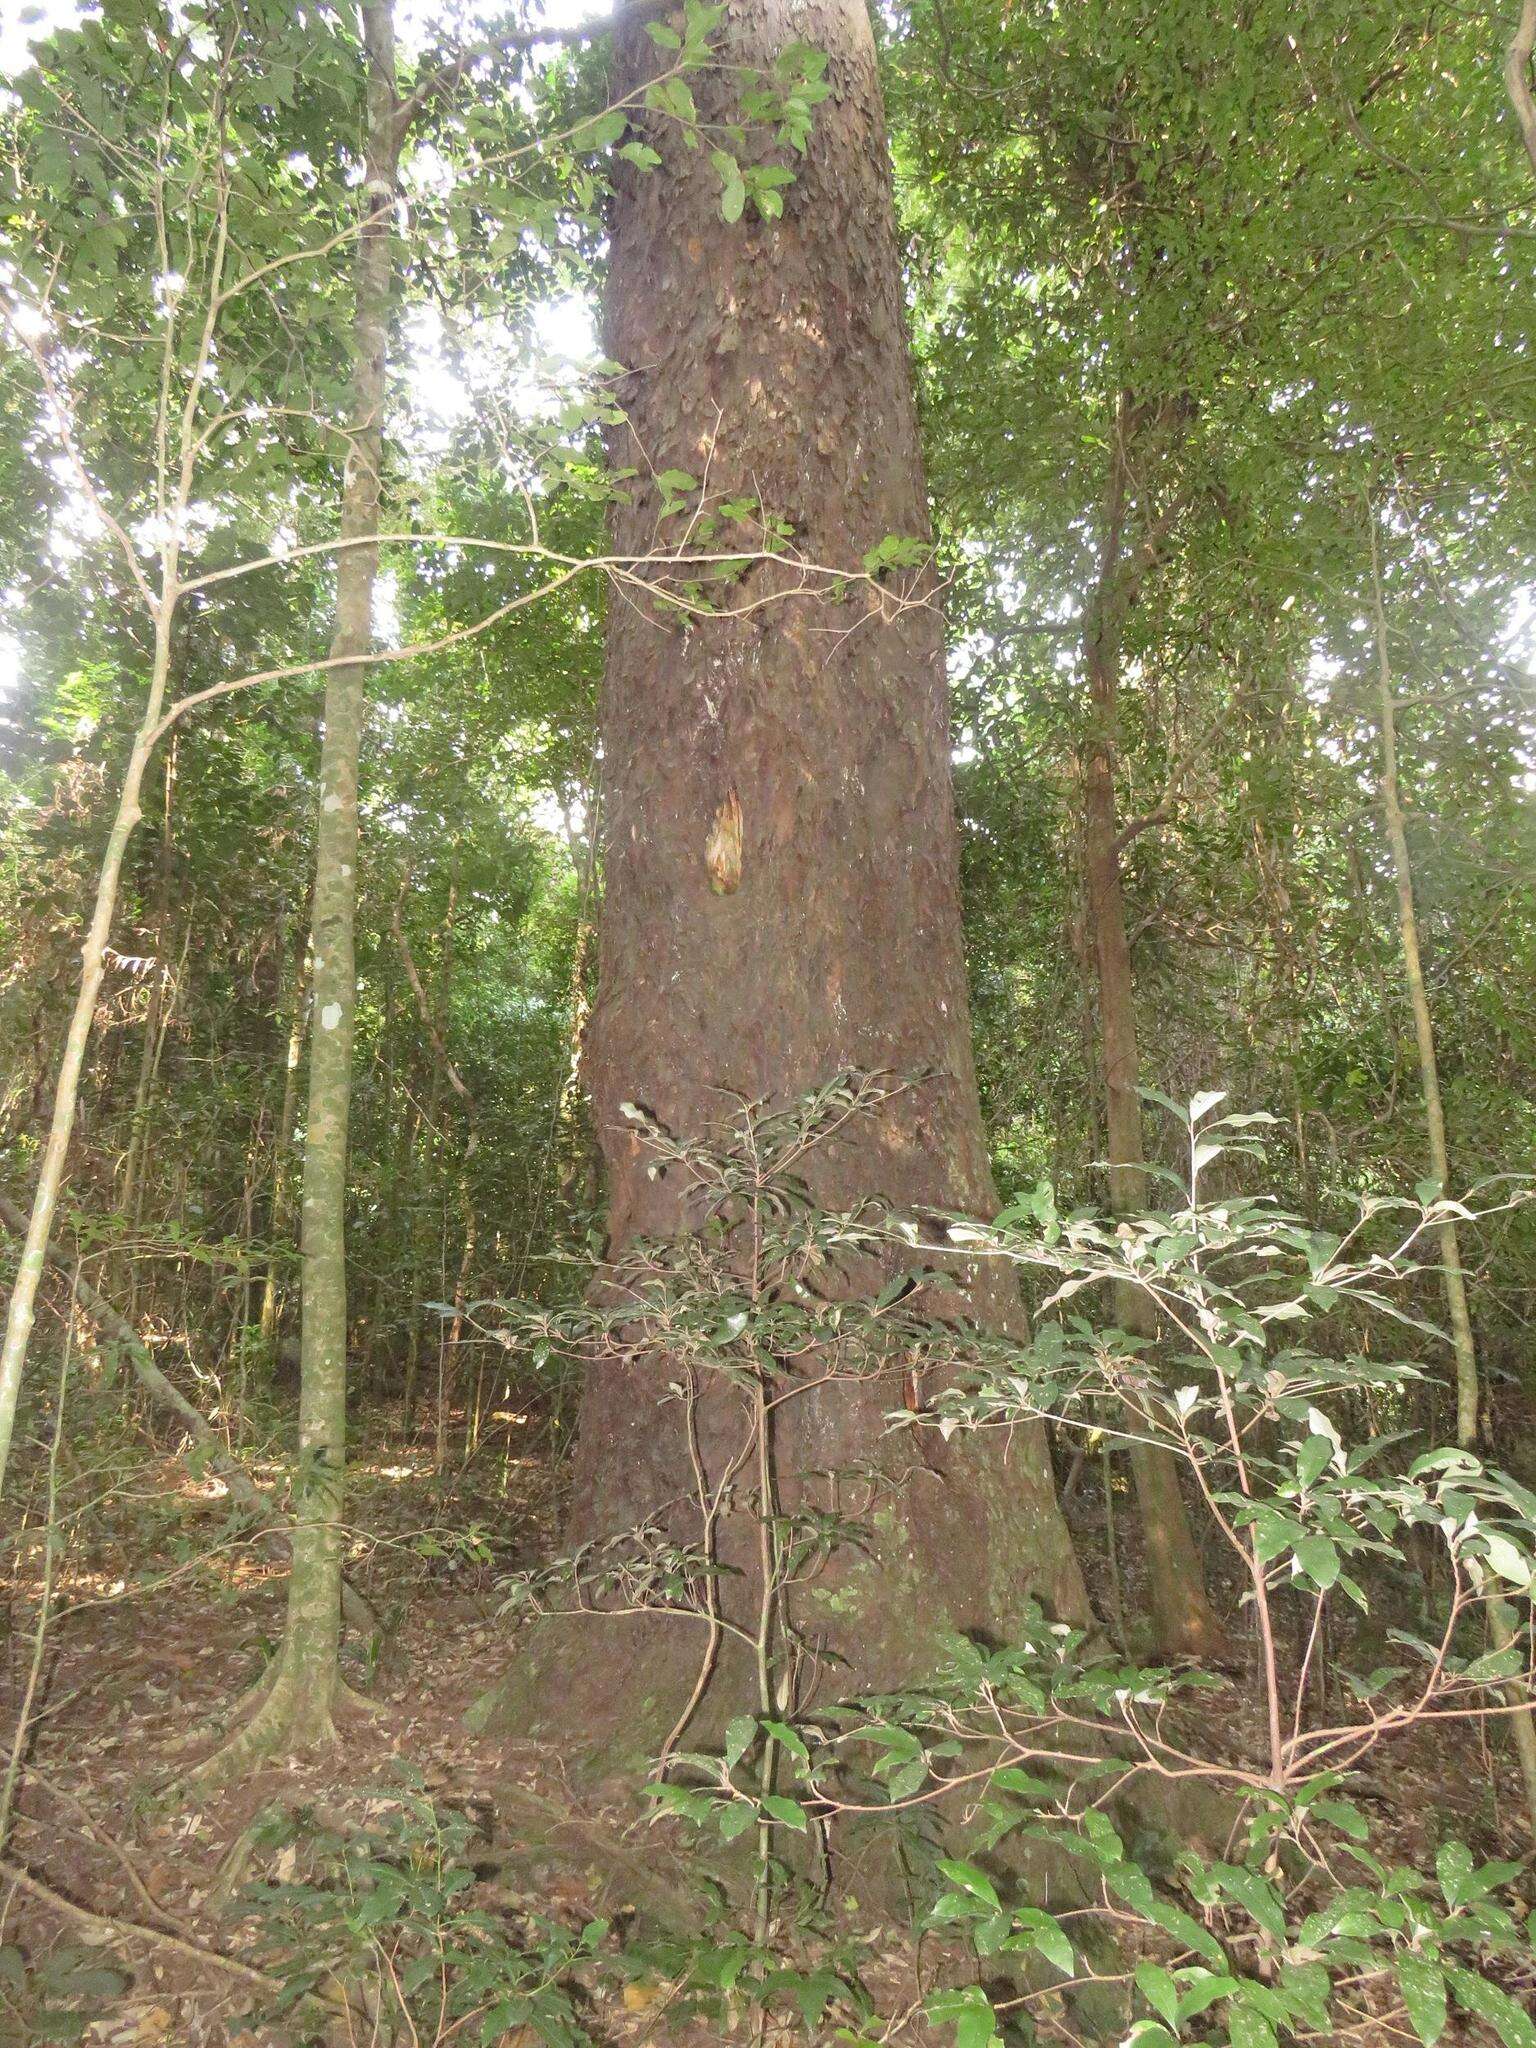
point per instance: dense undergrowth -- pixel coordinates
(1090, 1845)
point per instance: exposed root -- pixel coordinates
(248, 1704)
(294, 1715)
(356, 1702)
(108, 1927)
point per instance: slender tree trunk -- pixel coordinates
(1517, 76)
(66, 1095)
(580, 1168)
(282, 1137)
(1453, 1273)
(435, 1024)
(771, 357)
(1501, 1617)
(155, 1048)
(449, 1349)
(314, 1592)
(298, 1709)
(1181, 1613)
(434, 1019)
(130, 1201)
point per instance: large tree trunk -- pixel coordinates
(771, 357)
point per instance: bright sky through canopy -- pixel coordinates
(21, 26)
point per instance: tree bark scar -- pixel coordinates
(722, 850)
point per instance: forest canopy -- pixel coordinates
(768, 1022)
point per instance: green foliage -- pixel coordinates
(1054, 1738)
(58, 1997)
(1289, 258)
(382, 1920)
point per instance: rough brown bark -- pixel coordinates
(1182, 1617)
(772, 357)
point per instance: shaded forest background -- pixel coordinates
(1306, 314)
(1221, 328)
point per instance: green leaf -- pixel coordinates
(733, 191)
(1023, 1783)
(1273, 1533)
(1319, 1559)
(789, 1738)
(970, 1879)
(1133, 1885)
(734, 1819)
(740, 1734)
(1157, 1987)
(969, 2011)
(1312, 1459)
(1345, 1816)
(1256, 1895)
(896, 551)
(1422, 1984)
(1485, 2001)
(1453, 1867)
(1505, 1560)
(1248, 2028)
(1495, 1664)
(1047, 1934)
(1201, 1989)
(1308, 1990)
(604, 131)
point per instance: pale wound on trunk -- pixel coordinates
(722, 850)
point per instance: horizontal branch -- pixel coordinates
(526, 550)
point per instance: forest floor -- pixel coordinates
(149, 1879)
(137, 1686)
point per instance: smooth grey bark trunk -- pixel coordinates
(130, 1202)
(297, 1711)
(66, 1095)
(1517, 76)
(282, 1140)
